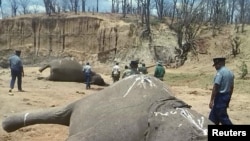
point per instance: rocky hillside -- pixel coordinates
(105, 38)
(102, 38)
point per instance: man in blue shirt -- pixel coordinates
(16, 68)
(87, 72)
(221, 94)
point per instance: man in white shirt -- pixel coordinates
(116, 72)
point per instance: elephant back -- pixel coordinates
(136, 106)
(66, 70)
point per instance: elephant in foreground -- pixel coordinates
(136, 108)
(71, 71)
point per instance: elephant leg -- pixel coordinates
(60, 115)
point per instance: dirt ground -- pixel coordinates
(43, 94)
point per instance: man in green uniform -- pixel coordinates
(159, 71)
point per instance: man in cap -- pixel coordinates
(159, 71)
(221, 93)
(16, 67)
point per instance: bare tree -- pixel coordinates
(232, 10)
(159, 7)
(247, 12)
(50, 6)
(145, 17)
(97, 6)
(242, 4)
(218, 15)
(124, 8)
(113, 6)
(14, 7)
(74, 4)
(1, 8)
(174, 10)
(24, 5)
(83, 5)
(189, 21)
(168, 8)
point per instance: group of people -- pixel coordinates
(134, 68)
(220, 97)
(129, 70)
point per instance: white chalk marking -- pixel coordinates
(130, 88)
(165, 114)
(142, 83)
(160, 113)
(173, 112)
(199, 124)
(25, 118)
(187, 115)
(180, 125)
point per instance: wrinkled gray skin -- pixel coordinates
(71, 71)
(136, 108)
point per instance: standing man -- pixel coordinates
(221, 94)
(116, 72)
(87, 73)
(159, 71)
(16, 67)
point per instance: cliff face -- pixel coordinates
(78, 36)
(85, 37)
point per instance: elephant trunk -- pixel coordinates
(43, 68)
(60, 115)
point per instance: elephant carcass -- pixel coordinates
(71, 71)
(136, 108)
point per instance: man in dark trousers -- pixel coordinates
(221, 93)
(116, 72)
(16, 67)
(87, 72)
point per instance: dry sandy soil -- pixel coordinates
(44, 94)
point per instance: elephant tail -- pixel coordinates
(55, 115)
(44, 67)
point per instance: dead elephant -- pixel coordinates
(71, 71)
(137, 108)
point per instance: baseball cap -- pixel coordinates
(218, 59)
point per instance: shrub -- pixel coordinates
(243, 70)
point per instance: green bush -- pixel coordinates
(243, 70)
